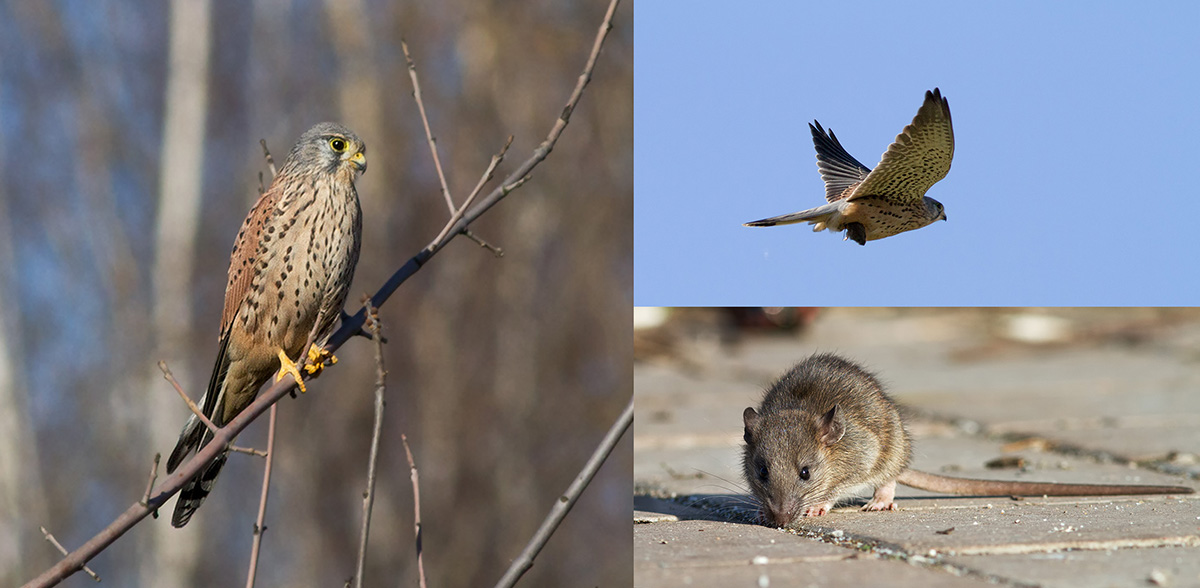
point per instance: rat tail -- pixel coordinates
(949, 485)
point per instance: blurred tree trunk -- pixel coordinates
(22, 504)
(174, 554)
(360, 106)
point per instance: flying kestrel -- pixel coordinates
(873, 204)
(289, 272)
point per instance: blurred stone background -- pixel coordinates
(129, 157)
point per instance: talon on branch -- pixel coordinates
(317, 360)
(288, 368)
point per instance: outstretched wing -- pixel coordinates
(838, 168)
(918, 158)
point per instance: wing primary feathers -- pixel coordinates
(918, 158)
(838, 168)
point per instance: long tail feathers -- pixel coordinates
(193, 438)
(189, 440)
(789, 219)
(819, 214)
(193, 494)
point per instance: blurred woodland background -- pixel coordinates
(129, 158)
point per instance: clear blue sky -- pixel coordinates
(1074, 181)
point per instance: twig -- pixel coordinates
(487, 177)
(373, 325)
(270, 160)
(491, 169)
(564, 503)
(162, 365)
(224, 436)
(514, 180)
(63, 550)
(461, 211)
(260, 526)
(248, 451)
(150, 484)
(516, 184)
(416, 483)
(497, 251)
(437, 162)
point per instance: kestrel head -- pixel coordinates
(330, 148)
(935, 209)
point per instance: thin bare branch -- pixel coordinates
(149, 484)
(497, 251)
(353, 325)
(260, 526)
(491, 169)
(374, 326)
(516, 184)
(270, 160)
(262, 188)
(63, 550)
(458, 214)
(437, 162)
(222, 437)
(487, 177)
(248, 451)
(162, 365)
(416, 484)
(564, 503)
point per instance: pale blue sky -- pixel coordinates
(1077, 130)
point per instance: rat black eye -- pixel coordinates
(804, 473)
(762, 471)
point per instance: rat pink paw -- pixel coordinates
(882, 500)
(816, 511)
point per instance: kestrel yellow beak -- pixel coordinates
(359, 161)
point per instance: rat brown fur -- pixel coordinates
(826, 428)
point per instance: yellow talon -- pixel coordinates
(286, 367)
(317, 359)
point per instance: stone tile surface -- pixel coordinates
(1165, 566)
(1101, 383)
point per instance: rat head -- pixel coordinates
(787, 461)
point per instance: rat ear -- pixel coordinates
(750, 420)
(830, 427)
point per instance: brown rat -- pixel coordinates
(826, 428)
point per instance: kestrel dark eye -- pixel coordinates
(338, 145)
(804, 473)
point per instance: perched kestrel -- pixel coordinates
(873, 204)
(289, 272)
